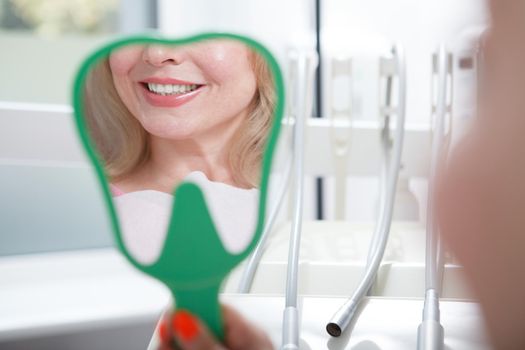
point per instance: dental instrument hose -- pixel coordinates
(430, 333)
(306, 63)
(346, 313)
(383, 177)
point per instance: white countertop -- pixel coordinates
(54, 293)
(384, 323)
(49, 293)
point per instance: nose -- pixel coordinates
(160, 55)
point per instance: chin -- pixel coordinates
(172, 131)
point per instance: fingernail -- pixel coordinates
(185, 325)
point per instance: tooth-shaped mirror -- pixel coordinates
(181, 134)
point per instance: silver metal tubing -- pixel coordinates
(306, 63)
(387, 198)
(431, 334)
(345, 314)
(253, 261)
(340, 141)
(432, 280)
(384, 197)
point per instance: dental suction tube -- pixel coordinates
(346, 313)
(306, 63)
(386, 148)
(430, 333)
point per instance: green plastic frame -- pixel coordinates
(194, 276)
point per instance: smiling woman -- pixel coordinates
(159, 112)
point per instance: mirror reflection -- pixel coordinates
(159, 115)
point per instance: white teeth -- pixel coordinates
(170, 89)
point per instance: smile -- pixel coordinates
(171, 89)
(169, 92)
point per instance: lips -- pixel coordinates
(169, 92)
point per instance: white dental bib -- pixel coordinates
(144, 217)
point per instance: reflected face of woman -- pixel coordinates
(187, 91)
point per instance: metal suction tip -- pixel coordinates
(333, 329)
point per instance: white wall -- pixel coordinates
(365, 28)
(279, 25)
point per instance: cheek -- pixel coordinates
(236, 92)
(222, 63)
(233, 74)
(122, 63)
(123, 60)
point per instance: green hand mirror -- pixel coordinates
(181, 134)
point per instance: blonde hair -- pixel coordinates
(123, 143)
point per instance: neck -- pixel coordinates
(172, 160)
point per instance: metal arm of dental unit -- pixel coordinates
(343, 317)
(340, 68)
(430, 333)
(306, 64)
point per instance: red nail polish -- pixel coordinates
(185, 325)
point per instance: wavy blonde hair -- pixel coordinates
(123, 144)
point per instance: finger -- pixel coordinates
(191, 334)
(165, 333)
(163, 330)
(242, 334)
